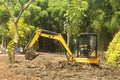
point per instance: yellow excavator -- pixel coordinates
(86, 44)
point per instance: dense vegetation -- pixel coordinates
(113, 52)
(62, 16)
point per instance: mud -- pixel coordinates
(49, 66)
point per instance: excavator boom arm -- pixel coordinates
(51, 35)
(33, 39)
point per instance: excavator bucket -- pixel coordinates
(30, 55)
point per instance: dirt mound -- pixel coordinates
(55, 67)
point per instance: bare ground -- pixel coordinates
(49, 66)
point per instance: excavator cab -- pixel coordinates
(87, 45)
(87, 48)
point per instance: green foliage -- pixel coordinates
(99, 20)
(16, 10)
(102, 19)
(57, 7)
(51, 16)
(105, 14)
(32, 15)
(4, 16)
(115, 4)
(10, 45)
(3, 30)
(69, 16)
(113, 52)
(114, 22)
(0, 2)
(74, 15)
(96, 14)
(44, 14)
(42, 3)
(24, 31)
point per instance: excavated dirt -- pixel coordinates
(49, 66)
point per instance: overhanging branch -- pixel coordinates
(23, 9)
(10, 12)
(21, 4)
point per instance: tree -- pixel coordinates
(15, 19)
(4, 18)
(56, 10)
(98, 15)
(32, 15)
(9, 5)
(74, 15)
(24, 31)
(103, 19)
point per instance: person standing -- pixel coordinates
(75, 47)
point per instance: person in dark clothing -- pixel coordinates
(75, 48)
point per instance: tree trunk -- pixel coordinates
(2, 40)
(68, 39)
(15, 41)
(16, 33)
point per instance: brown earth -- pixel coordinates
(49, 66)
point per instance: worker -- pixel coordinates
(84, 50)
(75, 47)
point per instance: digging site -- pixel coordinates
(88, 64)
(59, 39)
(51, 66)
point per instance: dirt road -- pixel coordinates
(49, 66)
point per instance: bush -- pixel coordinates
(113, 52)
